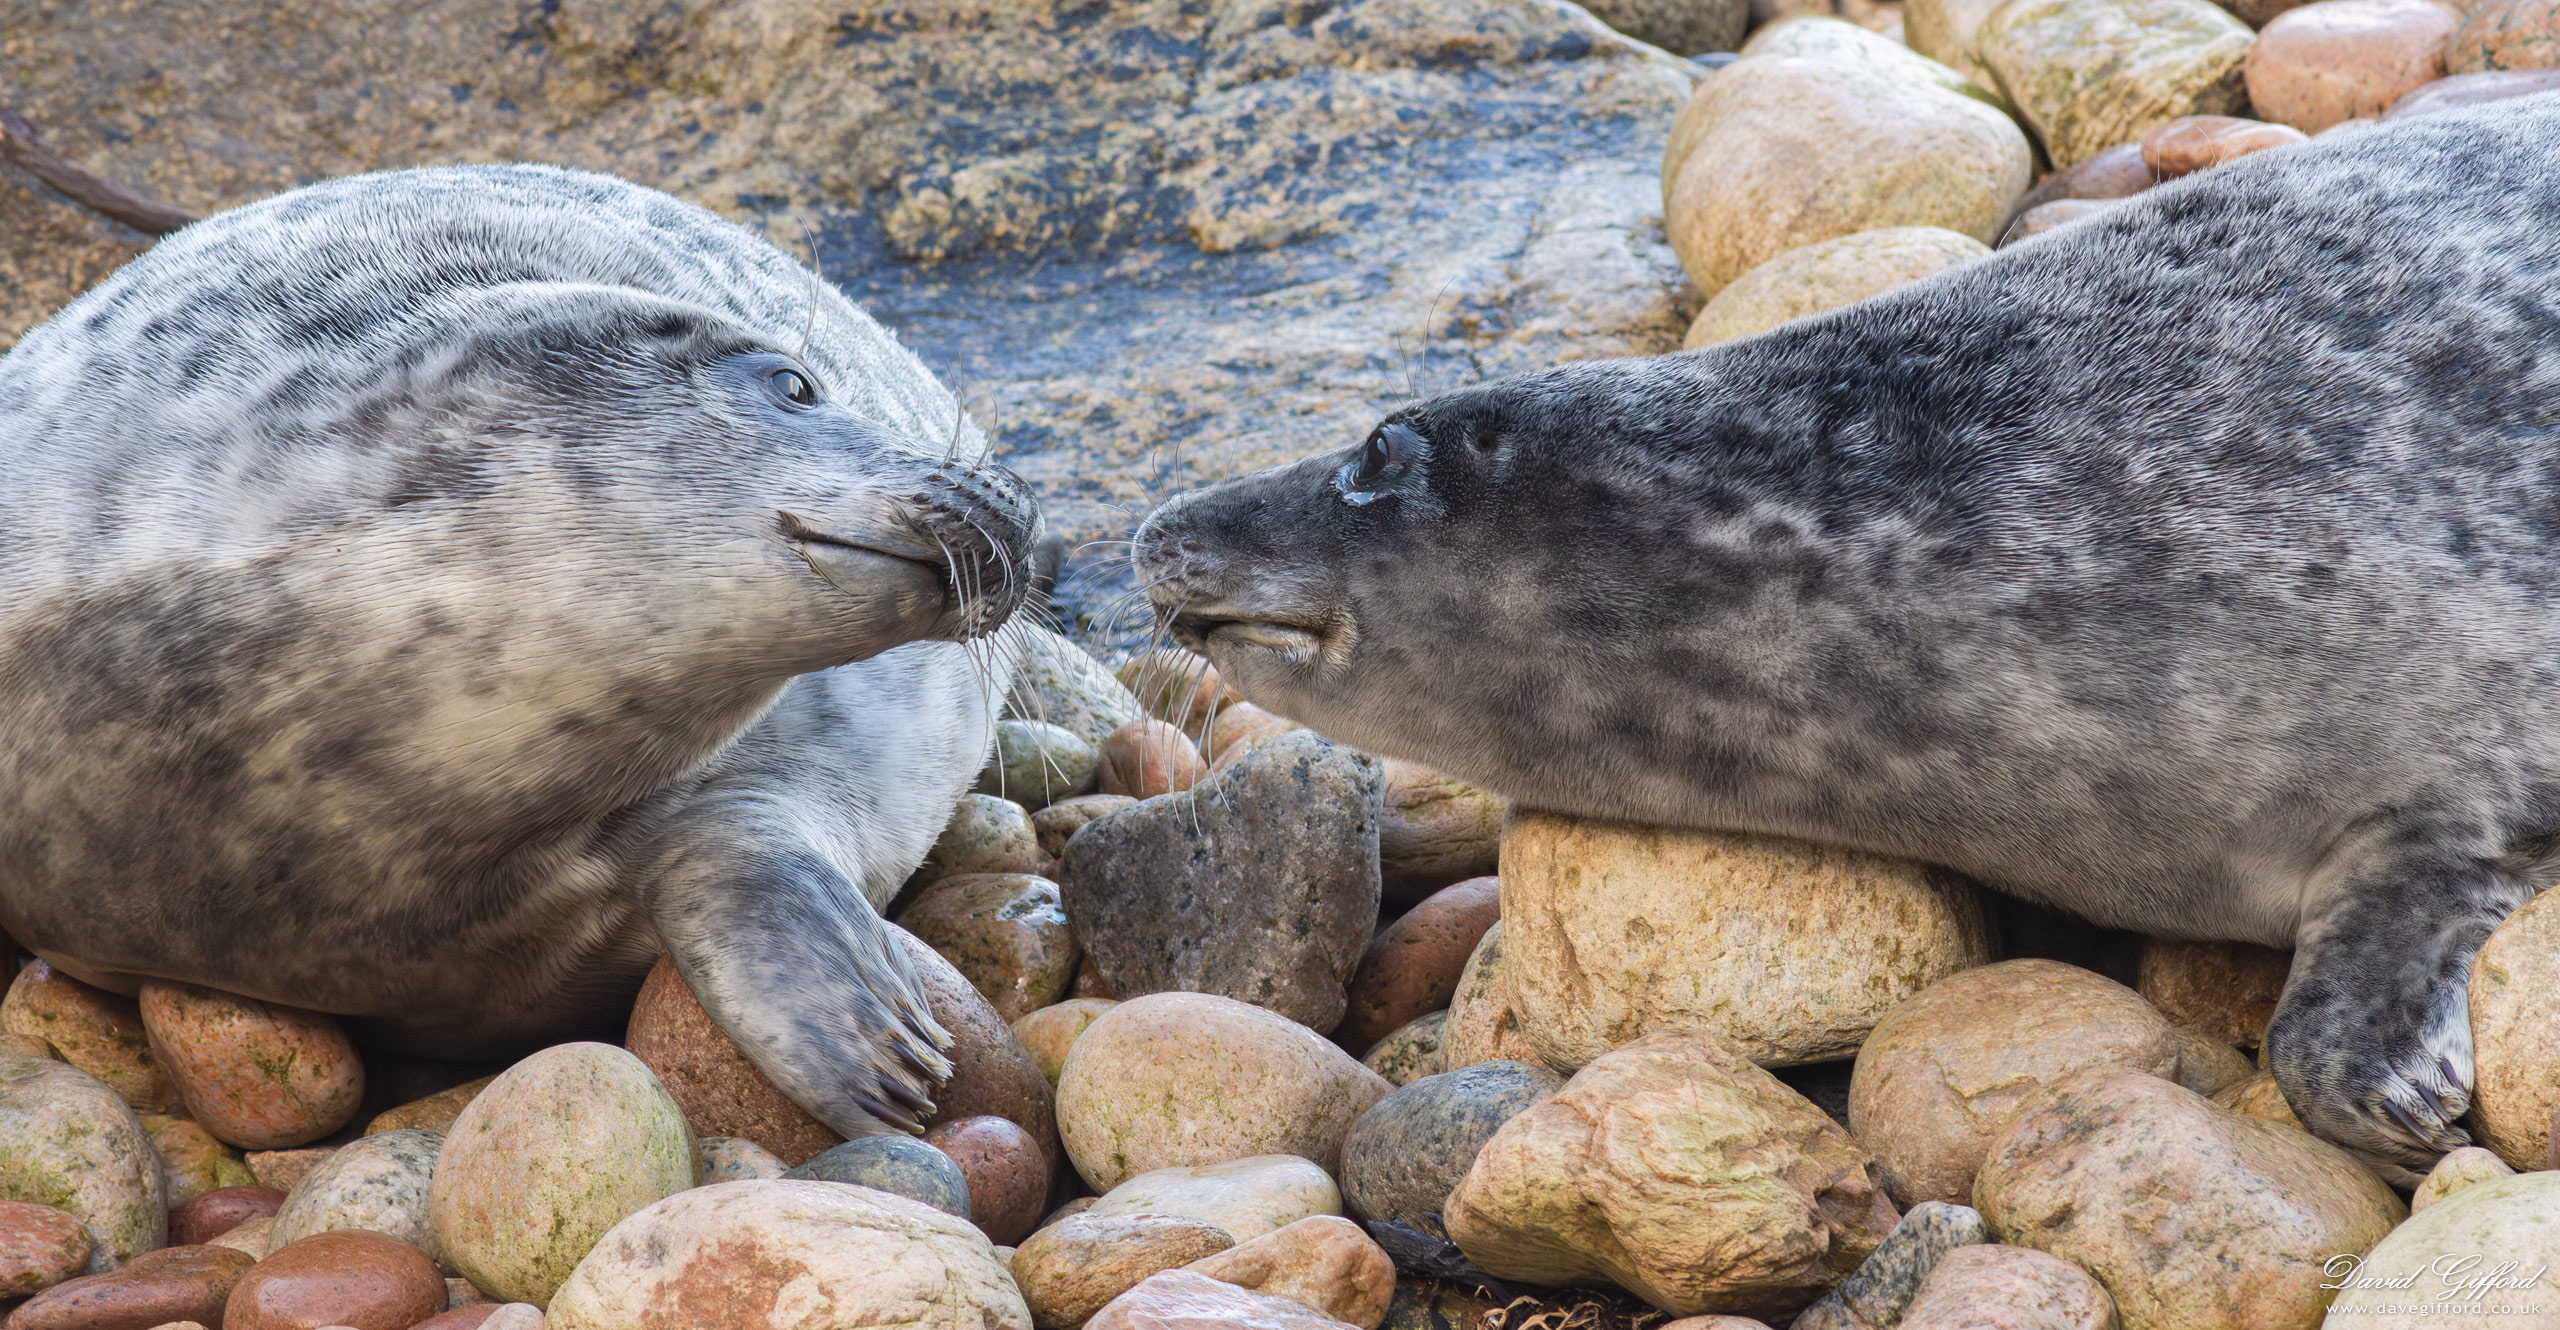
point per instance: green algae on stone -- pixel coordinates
(560, 1148)
(68, 1141)
(192, 1161)
(2087, 75)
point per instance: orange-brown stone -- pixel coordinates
(346, 1277)
(720, 1091)
(254, 1074)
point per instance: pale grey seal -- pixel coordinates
(2195, 568)
(424, 595)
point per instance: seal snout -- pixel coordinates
(948, 555)
(1209, 597)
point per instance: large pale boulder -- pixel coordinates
(1777, 152)
(1676, 1169)
(2491, 1245)
(1788, 951)
(2087, 75)
(762, 1254)
(1807, 281)
(1944, 1071)
(2515, 1033)
(2190, 1214)
(1178, 1079)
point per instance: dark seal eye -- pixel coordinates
(1382, 459)
(794, 387)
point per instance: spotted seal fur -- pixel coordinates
(2195, 568)
(424, 595)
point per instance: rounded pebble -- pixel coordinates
(343, 1278)
(2086, 75)
(560, 1148)
(1482, 1026)
(1058, 823)
(1411, 967)
(1411, 1148)
(171, 1284)
(2209, 1217)
(2341, 60)
(991, 1073)
(1246, 1197)
(730, 1159)
(1147, 757)
(1048, 1033)
(985, 835)
(1070, 1269)
(2515, 1033)
(1815, 278)
(1324, 1261)
(68, 1141)
(2504, 1226)
(1787, 950)
(719, 1090)
(1411, 1051)
(2193, 143)
(1007, 1174)
(1433, 830)
(898, 1165)
(2505, 34)
(1176, 1079)
(1036, 764)
(753, 1255)
(376, 1183)
(40, 1247)
(97, 1031)
(1945, 1069)
(219, 1211)
(1778, 152)
(192, 1162)
(1005, 932)
(256, 1075)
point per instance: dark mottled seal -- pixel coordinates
(423, 595)
(2195, 568)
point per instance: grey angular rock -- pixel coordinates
(1876, 1294)
(1258, 884)
(1682, 27)
(1410, 1148)
(898, 1165)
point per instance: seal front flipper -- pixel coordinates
(2371, 1042)
(790, 960)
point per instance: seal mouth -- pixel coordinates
(1202, 632)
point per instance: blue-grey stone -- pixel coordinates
(1875, 1295)
(899, 1165)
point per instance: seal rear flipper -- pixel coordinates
(793, 964)
(2371, 1042)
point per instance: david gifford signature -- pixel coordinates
(2465, 1278)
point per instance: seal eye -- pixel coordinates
(1373, 462)
(795, 387)
(1382, 459)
